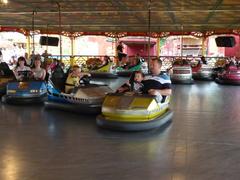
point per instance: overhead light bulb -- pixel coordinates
(4, 1)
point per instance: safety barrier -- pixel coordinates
(167, 60)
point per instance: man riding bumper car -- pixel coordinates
(137, 112)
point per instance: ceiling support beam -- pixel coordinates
(123, 7)
(171, 14)
(215, 7)
(123, 25)
(120, 11)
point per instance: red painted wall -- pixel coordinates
(142, 49)
(234, 51)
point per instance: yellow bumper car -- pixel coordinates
(134, 112)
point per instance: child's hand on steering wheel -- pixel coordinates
(153, 92)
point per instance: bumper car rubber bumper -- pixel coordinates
(2, 91)
(134, 126)
(178, 81)
(203, 77)
(227, 81)
(78, 108)
(23, 100)
(125, 73)
(103, 75)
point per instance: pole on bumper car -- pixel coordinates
(149, 32)
(33, 30)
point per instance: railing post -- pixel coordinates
(28, 45)
(203, 46)
(158, 47)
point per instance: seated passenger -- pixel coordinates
(74, 78)
(203, 60)
(54, 65)
(159, 83)
(230, 66)
(38, 72)
(124, 62)
(132, 63)
(106, 60)
(4, 69)
(185, 62)
(21, 66)
(134, 84)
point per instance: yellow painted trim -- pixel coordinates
(28, 45)
(134, 118)
(158, 47)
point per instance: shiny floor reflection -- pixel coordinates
(201, 143)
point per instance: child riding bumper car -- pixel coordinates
(86, 98)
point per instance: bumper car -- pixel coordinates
(3, 83)
(142, 66)
(181, 73)
(135, 112)
(86, 98)
(219, 67)
(230, 76)
(100, 71)
(6, 75)
(25, 91)
(202, 72)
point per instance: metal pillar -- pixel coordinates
(158, 47)
(72, 45)
(33, 30)
(203, 46)
(47, 39)
(60, 28)
(182, 42)
(149, 32)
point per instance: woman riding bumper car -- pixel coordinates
(25, 91)
(28, 88)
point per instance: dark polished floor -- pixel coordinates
(202, 142)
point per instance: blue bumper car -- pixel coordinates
(25, 91)
(86, 98)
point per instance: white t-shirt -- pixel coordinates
(18, 69)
